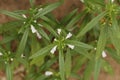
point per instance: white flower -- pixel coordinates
(11, 59)
(24, 16)
(69, 35)
(22, 56)
(104, 54)
(24, 22)
(55, 39)
(40, 25)
(71, 46)
(59, 31)
(35, 21)
(48, 73)
(1, 54)
(112, 0)
(40, 9)
(38, 35)
(53, 49)
(95, 48)
(5, 62)
(33, 29)
(82, 1)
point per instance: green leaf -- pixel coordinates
(49, 28)
(75, 20)
(48, 20)
(82, 51)
(7, 39)
(47, 9)
(68, 63)
(61, 64)
(113, 54)
(88, 71)
(101, 42)
(114, 34)
(78, 44)
(42, 51)
(107, 67)
(22, 61)
(23, 42)
(32, 2)
(12, 14)
(97, 68)
(115, 40)
(79, 60)
(67, 18)
(38, 61)
(9, 72)
(91, 24)
(43, 33)
(10, 26)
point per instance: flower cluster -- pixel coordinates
(33, 28)
(7, 59)
(69, 35)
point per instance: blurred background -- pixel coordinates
(63, 10)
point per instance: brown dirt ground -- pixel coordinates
(59, 12)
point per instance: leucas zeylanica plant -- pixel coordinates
(51, 49)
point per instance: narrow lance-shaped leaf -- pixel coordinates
(49, 28)
(23, 41)
(115, 40)
(82, 51)
(32, 2)
(75, 20)
(91, 24)
(7, 39)
(68, 17)
(88, 71)
(48, 20)
(78, 44)
(101, 42)
(43, 33)
(12, 14)
(113, 54)
(47, 9)
(97, 68)
(68, 63)
(9, 72)
(61, 64)
(114, 32)
(42, 51)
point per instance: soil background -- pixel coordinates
(68, 6)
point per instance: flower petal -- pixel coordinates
(35, 21)
(38, 35)
(33, 29)
(40, 9)
(11, 59)
(82, 1)
(112, 0)
(24, 16)
(71, 46)
(48, 73)
(104, 54)
(53, 49)
(55, 39)
(22, 56)
(59, 31)
(69, 35)
(1, 54)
